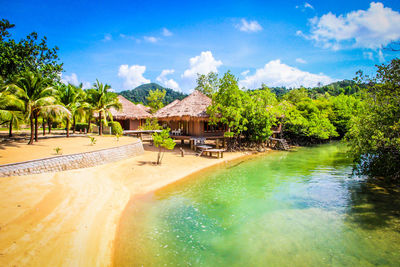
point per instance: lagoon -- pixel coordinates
(302, 208)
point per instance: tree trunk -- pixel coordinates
(159, 156)
(49, 125)
(73, 125)
(32, 130)
(36, 127)
(88, 130)
(67, 127)
(10, 130)
(100, 125)
(44, 127)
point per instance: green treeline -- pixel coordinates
(364, 112)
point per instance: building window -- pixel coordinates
(211, 128)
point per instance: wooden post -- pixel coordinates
(217, 143)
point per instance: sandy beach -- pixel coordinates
(70, 218)
(16, 151)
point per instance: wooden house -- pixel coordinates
(189, 117)
(130, 116)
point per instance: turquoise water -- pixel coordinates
(300, 208)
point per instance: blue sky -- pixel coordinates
(279, 43)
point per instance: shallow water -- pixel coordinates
(299, 208)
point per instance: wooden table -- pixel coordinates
(219, 152)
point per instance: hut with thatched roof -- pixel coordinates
(130, 116)
(189, 116)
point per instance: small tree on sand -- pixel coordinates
(163, 141)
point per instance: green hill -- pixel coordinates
(140, 93)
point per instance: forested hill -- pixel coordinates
(347, 87)
(140, 93)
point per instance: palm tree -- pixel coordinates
(10, 108)
(101, 101)
(72, 98)
(37, 96)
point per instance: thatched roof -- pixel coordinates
(129, 110)
(147, 109)
(193, 106)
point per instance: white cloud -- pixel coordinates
(133, 75)
(244, 73)
(249, 26)
(372, 28)
(307, 5)
(300, 60)
(276, 73)
(368, 55)
(73, 79)
(169, 83)
(151, 39)
(86, 85)
(166, 32)
(202, 64)
(107, 37)
(380, 56)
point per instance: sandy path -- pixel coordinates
(20, 151)
(70, 218)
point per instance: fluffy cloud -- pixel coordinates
(244, 73)
(151, 39)
(276, 73)
(305, 6)
(73, 79)
(372, 28)
(166, 32)
(202, 64)
(133, 75)
(249, 26)
(300, 60)
(169, 83)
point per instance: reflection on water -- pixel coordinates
(282, 209)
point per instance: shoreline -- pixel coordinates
(71, 218)
(235, 156)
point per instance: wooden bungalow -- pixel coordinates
(131, 116)
(188, 117)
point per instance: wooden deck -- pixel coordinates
(219, 140)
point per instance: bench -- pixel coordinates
(210, 151)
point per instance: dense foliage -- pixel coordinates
(156, 99)
(28, 54)
(307, 116)
(140, 93)
(116, 127)
(374, 134)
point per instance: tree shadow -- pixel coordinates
(375, 204)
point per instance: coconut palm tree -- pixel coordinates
(38, 97)
(72, 97)
(101, 100)
(11, 107)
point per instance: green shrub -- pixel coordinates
(115, 127)
(81, 127)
